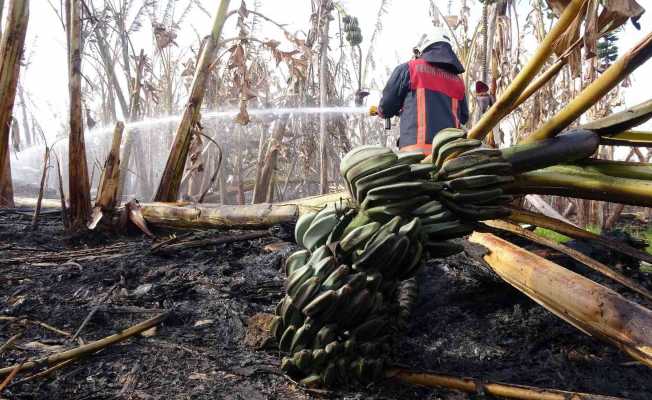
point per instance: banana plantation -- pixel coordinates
(305, 199)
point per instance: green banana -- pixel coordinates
(472, 196)
(337, 232)
(325, 335)
(430, 208)
(411, 229)
(319, 231)
(421, 171)
(376, 255)
(401, 190)
(321, 304)
(358, 236)
(450, 148)
(286, 339)
(443, 137)
(443, 216)
(412, 157)
(383, 208)
(337, 279)
(296, 260)
(478, 181)
(298, 277)
(302, 225)
(395, 173)
(490, 168)
(305, 293)
(368, 167)
(301, 339)
(303, 359)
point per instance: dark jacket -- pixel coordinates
(429, 96)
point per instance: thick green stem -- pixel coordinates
(574, 181)
(618, 169)
(572, 146)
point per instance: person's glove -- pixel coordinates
(373, 111)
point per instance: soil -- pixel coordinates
(210, 347)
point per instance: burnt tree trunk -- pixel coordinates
(11, 50)
(78, 184)
(168, 189)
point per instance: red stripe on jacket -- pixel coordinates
(424, 75)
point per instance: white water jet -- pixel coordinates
(211, 115)
(27, 165)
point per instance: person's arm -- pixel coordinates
(397, 87)
(464, 111)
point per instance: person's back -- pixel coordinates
(428, 94)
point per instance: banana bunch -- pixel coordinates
(344, 295)
(350, 290)
(352, 29)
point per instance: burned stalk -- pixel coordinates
(78, 183)
(11, 51)
(168, 189)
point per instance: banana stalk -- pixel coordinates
(624, 66)
(621, 121)
(574, 181)
(590, 307)
(542, 221)
(502, 106)
(574, 254)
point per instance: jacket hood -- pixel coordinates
(442, 54)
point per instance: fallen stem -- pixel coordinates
(190, 244)
(574, 254)
(471, 385)
(88, 348)
(542, 221)
(590, 307)
(46, 372)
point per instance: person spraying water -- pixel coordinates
(427, 93)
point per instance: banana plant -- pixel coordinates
(351, 289)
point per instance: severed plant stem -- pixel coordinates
(576, 255)
(88, 348)
(624, 66)
(574, 181)
(471, 385)
(628, 138)
(542, 221)
(590, 307)
(168, 189)
(503, 104)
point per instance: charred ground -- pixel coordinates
(465, 324)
